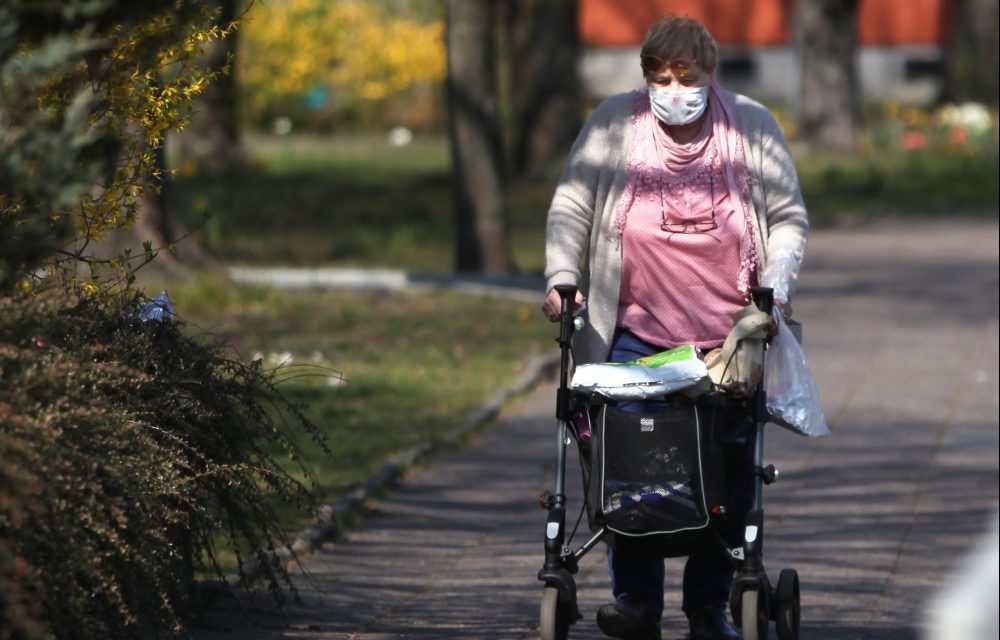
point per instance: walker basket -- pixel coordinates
(654, 473)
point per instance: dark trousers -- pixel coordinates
(637, 572)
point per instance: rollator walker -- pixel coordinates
(754, 601)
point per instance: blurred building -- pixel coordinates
(900, 45)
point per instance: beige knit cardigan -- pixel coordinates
(583, 246)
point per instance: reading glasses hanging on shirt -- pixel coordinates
(690, 226)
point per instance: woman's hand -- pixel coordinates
(552, 306)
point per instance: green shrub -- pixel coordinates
(910, 160)
(125, 447)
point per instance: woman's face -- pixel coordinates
(676, 73)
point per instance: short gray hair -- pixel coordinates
(674, 37)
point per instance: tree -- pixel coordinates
(85, 104)
(971, 62)
(155, 231)
(546, 93)
(482, 242)
(211, 138)
(829, 113)
(212, 143)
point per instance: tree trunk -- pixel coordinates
(177, 255)
(829, 113)
(211, 138)
(545, 92)
(971, 59)
(477, 157)
(211, 142)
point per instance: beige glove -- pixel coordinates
(736, 368)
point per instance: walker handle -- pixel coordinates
(763, 297)
(567, 293)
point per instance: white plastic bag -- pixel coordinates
(792, 398)
(782, 270)
(655, 375)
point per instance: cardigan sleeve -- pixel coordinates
(572, 211)
(785, 211)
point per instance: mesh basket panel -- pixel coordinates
(650, 471)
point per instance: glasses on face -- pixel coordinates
(700, 226)
(682, 68)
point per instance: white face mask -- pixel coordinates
(678, 106)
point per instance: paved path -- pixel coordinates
(901, 327)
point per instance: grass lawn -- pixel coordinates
(348, 201)
(379, 372)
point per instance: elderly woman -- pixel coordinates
(675, 200)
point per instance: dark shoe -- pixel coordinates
(711, 624)
(628, 621)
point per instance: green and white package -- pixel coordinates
(655, 375)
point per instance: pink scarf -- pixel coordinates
(644, 170)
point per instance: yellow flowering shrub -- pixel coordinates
(84, 104)
(148, 102)
(343, 58)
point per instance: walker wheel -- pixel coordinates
(753, 615)
(787, 610)
(553, 618)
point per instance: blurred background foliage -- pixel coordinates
(348, 160)
(322, 66)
